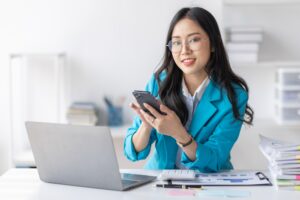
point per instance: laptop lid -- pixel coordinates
(75, 155)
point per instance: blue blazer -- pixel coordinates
(213, 127)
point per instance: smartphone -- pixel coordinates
(146, 97)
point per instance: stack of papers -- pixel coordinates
(82, 113)
(284, 162)
(243, 44)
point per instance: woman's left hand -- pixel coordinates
(168, 124)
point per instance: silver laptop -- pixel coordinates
(79, 156)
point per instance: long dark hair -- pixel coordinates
(217, 68)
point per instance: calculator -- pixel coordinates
(177, 174)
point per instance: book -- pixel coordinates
(242, 47)
(245, 29)
(243, 57)
(82, 113)
(246, 37)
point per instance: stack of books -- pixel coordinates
(284, 162)
(243, 44)
(82, 113)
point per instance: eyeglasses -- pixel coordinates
(194, 44)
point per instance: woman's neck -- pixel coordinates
(192, 82)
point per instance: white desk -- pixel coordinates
(25, 184)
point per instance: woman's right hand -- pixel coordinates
(137, 109)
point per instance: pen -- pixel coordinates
(178, 186)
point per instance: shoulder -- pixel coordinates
(240, 93)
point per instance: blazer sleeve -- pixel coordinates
(129, 149)
(213, 154)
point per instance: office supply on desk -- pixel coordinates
(114, 111)
(177, 174)
(24, 184)
(284, 161)
(223, 193)
(227, 178)
(79, 155)
(291, 188)
(181, 193)
(179, 186)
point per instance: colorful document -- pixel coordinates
(228, 178)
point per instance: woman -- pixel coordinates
(204, 101)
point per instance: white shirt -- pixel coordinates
(191, 103)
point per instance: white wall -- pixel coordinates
(113, 46)
(280, 43)
(281, 26)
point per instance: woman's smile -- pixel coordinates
(188, 61)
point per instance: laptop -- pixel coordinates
(79, 156)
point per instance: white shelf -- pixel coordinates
(287, 87)
(259, 2)
(281, 104)
(289, 123)
(119, 132)
(268, 64)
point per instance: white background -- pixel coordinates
(113, 46)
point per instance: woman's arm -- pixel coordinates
(140, 135)
(141, 138)
(214, 153)
(183, 137)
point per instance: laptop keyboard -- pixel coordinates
(135, 179)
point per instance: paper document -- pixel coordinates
(284, 162)
(230, 178)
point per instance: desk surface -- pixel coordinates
(25, 184)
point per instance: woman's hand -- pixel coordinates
(137, 109)
(168, 124)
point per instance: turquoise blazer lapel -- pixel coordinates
(205, 108)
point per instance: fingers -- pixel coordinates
(135, 107)
(155, 113)
(165, 109)
(138, 110)
(148, 117)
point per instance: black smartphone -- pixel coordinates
(146, 97)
